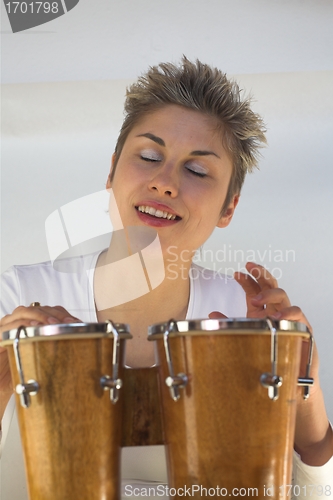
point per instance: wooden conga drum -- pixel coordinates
(228, 391)
(70, 424)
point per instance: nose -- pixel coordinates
(165, 181)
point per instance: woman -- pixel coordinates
(179, 164)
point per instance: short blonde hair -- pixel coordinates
(200, 87)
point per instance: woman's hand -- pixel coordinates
(35, 315)
(264, 298)
(25, 316)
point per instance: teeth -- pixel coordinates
(156, 213)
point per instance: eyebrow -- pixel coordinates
(160, 141)
(154, 138)
(204, 153)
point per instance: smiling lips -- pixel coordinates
(156, 213)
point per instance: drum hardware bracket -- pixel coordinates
(179, 380)
(108, 383)
(272, 381)
(24, 390)
(174, 382)
(113, 383)
(307, 381)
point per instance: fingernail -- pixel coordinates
(276, 315)
(33, 322)
(52, 321)
(69, 319)
(257, 297)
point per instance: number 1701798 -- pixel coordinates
(309, 490)
(32, 7)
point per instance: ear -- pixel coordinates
(225, 219)
(108, 181)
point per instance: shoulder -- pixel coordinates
(211, 275)
(59, 270)
(211, 280)
(45, 282)
(215, 291)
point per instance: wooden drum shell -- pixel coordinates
(71, 433)
(224, 430)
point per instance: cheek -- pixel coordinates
(209, 202)
(132, 174)
(123, 178)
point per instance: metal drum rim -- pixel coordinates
(66, 331)
(225, 326)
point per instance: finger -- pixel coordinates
(248, 283)
(11, 322)
(293, 313)
(38, 315)
(251, 289)
(14, 325)
(58, 313)
(273, 299)
(260, 291)
(263, 277)
(216, 315)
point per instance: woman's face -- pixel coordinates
(173, 175)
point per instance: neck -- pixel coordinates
(133, 268)
(124, 294)
(129, 286)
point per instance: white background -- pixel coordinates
(63, 90)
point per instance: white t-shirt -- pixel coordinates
(209, 291)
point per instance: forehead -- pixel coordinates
(176, 124)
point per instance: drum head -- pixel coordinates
(70, 331)
(223, 326)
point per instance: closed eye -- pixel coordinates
(148, 158)
(197, 170)
(150, 155)
(199, 174)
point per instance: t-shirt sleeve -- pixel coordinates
(9, 292)
(311, 482)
